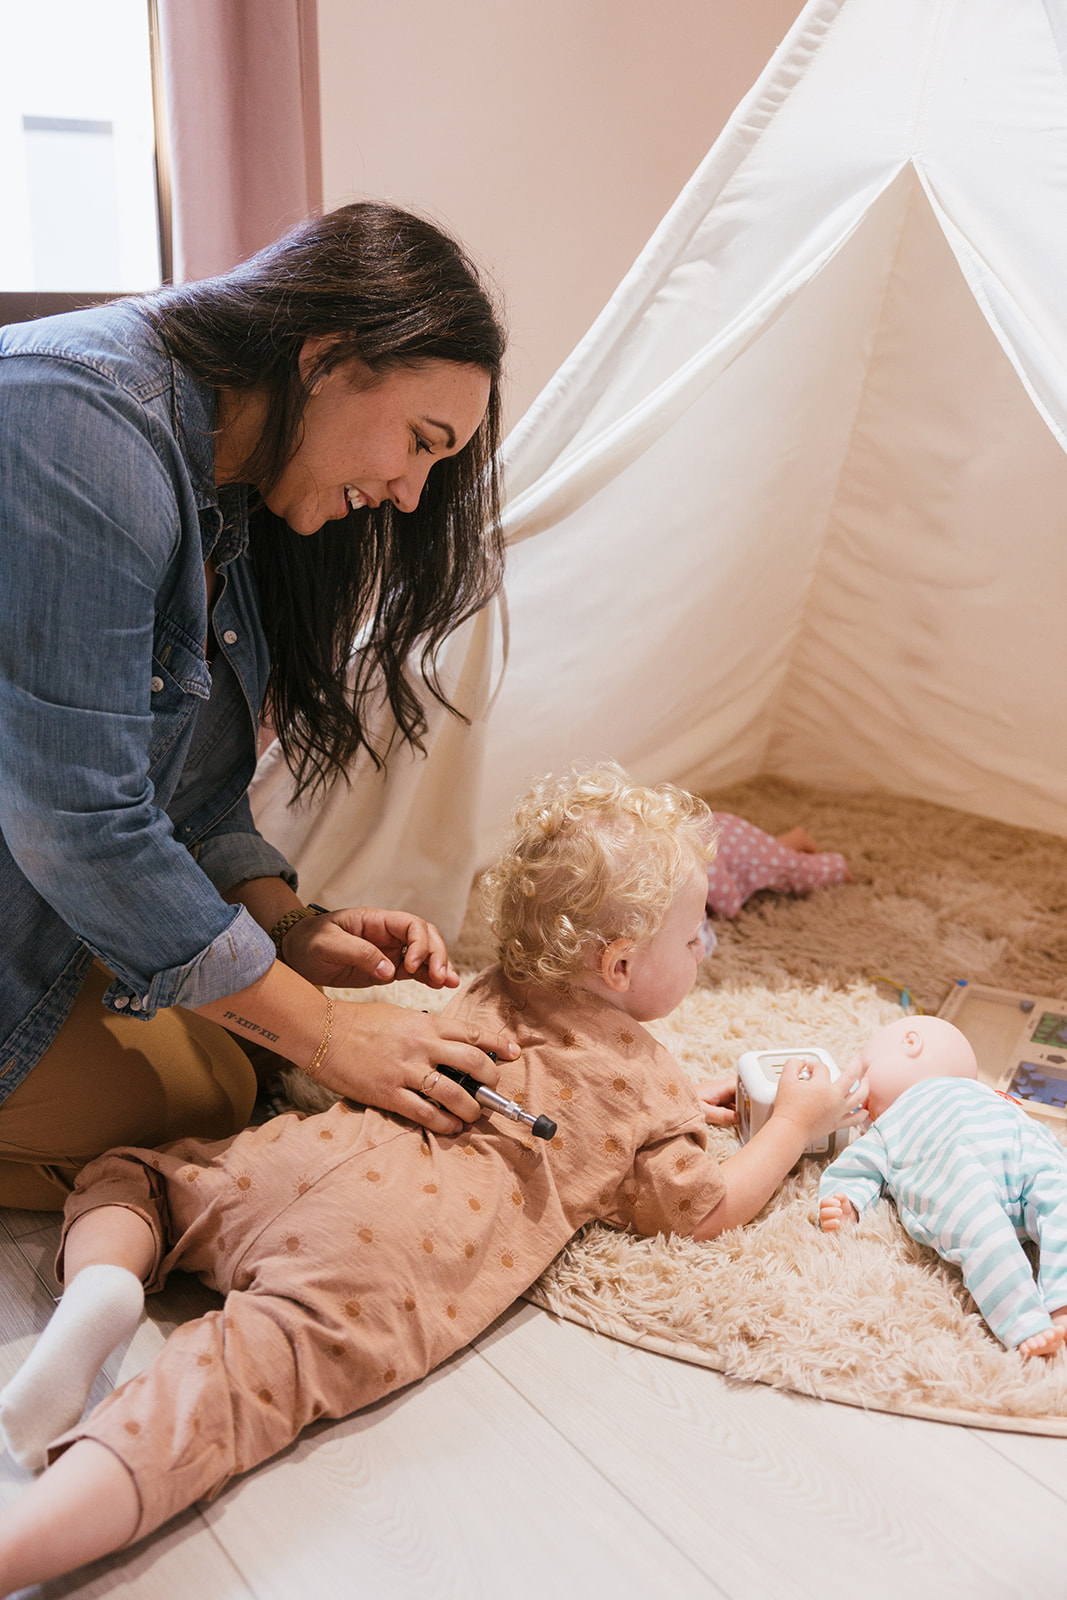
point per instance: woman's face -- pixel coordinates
(368, 437)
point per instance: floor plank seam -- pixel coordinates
(622, 1494)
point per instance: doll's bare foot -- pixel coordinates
(1045, 1343)
(798, 839)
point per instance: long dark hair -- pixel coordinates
(389, 289)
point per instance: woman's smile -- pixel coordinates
(366, 439)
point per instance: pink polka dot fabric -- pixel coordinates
(749, 859)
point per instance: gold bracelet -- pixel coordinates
(282, 926)
(324, 1041)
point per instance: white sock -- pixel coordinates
(99, 1308)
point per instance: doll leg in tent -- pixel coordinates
(748, 860)
(798, 839)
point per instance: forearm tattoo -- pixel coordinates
(253, 1027)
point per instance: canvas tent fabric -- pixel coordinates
(797, 504)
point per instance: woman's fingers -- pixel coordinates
(389, 1056)
(425, 957)
(429, 1112)
(414, 945)
(444, 1091)
(363, 945)
(326, 951)
(472, 1053)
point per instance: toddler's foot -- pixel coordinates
(99, 1308)
(1045, 1343)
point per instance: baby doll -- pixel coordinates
(971, 1174)
(747, 859)
(357, 1250)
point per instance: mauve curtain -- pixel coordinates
(241, 87)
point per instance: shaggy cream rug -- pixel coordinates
(871, 1319)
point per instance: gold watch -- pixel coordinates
(291, 918)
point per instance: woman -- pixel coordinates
(208, 493)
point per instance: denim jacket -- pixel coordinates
(108, 511)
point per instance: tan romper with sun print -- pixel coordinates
(357, 1251)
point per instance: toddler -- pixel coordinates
(357, 1250)
(971, 1174)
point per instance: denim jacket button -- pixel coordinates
(157, 684)
(135, 1004)
(229, 637)
(121, 1002)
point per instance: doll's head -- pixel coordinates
(908, 1051)
(597, 862)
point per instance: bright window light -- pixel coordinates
(77, 147)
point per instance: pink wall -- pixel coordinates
(551, 137)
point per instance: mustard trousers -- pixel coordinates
(108, 1080)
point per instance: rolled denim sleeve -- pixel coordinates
(100, 523)
(235, 851)
(239, 955)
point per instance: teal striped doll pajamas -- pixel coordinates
(972, 1175)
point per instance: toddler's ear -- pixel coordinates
(615, 962)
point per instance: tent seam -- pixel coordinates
(776, 703)
(934, 52)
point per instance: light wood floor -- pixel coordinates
(547, 1461)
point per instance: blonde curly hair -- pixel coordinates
(592, 858)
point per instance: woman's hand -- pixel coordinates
(379, 1055)
(717, 1097)
(815, 1103)
(387, 1056)
(363, 946)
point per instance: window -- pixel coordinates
(80, 167)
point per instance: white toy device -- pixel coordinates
(758, 1072)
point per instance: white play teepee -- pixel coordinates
(797, 504)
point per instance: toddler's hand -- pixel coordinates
(717, 1097)
(817, 1104)
(835, 1211)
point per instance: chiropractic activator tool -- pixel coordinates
(540, 1127)
(758, 1072)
